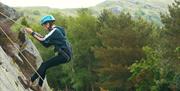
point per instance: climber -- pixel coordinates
(57, 38)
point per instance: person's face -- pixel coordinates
(46, 26)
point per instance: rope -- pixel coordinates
(16, 46)
(11, 19)
(20, 52)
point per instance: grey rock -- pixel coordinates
(10, 12)
(8, 74)
(29, 50)
(13, 56)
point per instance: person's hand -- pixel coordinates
(28, 30)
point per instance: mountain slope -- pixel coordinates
(148, 9)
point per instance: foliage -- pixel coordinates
(24, 22)
(159, 71)
(115, 52)
(82, 31)
(121, 40)
(148, 73)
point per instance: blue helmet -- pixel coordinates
(46, 19)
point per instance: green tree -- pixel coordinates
(171, 34)
(149, 73)
(159, 70)
(82, 33)
(122, 39)
(24, 22)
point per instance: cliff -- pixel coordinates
(12, 63)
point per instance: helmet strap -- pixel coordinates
(51, 24)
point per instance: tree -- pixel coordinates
(171, 36)
(82, 33)
(149, 74)
(159, 70)
(24, 22)
(122, 39)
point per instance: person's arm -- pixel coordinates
(34, 34)
(39, 37)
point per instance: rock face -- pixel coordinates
(12, 60)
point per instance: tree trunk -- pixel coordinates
(92, 87)
(66, 89)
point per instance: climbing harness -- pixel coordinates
(16, 46)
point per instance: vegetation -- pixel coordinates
(115, 52)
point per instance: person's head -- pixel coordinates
(47, 22)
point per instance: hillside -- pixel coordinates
(148, 9)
